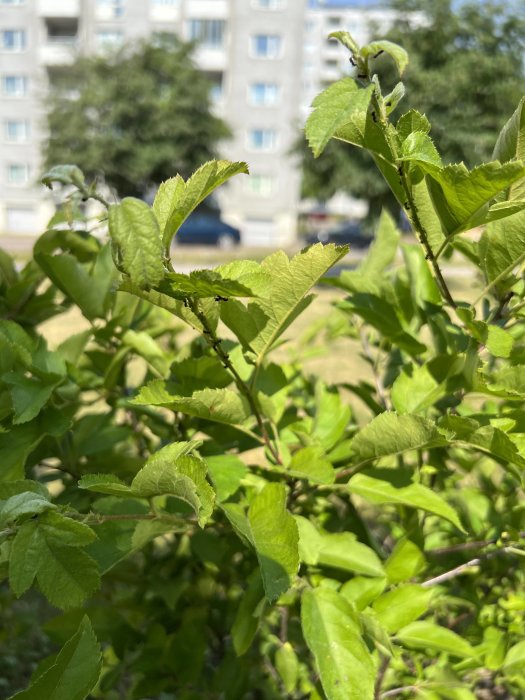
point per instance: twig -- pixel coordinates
(100, 518)
(464, 568)
(374, 364)
(215, 343)
(383, 667)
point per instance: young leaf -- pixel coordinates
(220, 405)
(515, 659)
(29, 395)
(172, 471)
(411, 122)
(74, 672)
(176, 199)
(341, 104)
(383, 249)
(511, 145)
(136, 241)
(332, 633)
(201, 284)
(275, 538)
(400, 606)
(390, 434)
(287, 666)
(246, 619)
(380, 491)
(502, 248)
(342, 551)
(109, 484)
(65, 175)
(395, 51)
(20, 504)
(226, 473)
(427, 635)
(461, 197)
(405, 562)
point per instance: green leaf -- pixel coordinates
(24, 438)
(346, 40)
(312, 464)
(383, 315)
(136, 240)
(74, 672)
(259, 325)
(145, 346)
(27, 554)
(411, 122)
(419, 146)
(427, 635)
(287, 666)
(275, 538)
(29, 395)
(248, 614)
(514, 662)
(461, 197)
(405, 561)
(395, 51)
(380, 491)
(509, 379)
(72, 278)
(109, 484)
(343, 103)
(172, 471)
(361, 590)
(511, 145)
(66, 575)
(226, 473)
(391, 434)
(201, 284)
(310, 540)
(176, 199)
(416, 389)
(220, 405)
(174, 306)
(342, 551)
(28, 503)
(382, 252)
(65, 175)
(331, 631)
(502, 248)
(65, 531)
(400, 606)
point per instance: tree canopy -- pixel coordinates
(137, 116)
(466, 73)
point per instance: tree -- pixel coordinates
(140, 116)
(466, 69)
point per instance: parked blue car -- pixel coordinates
(206, 229)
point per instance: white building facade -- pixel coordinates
(266, 59)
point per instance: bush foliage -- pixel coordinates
(214, 524)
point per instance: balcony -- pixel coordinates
(210, 58)
(59, 8)
(58, 51)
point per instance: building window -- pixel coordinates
(12, 40)
(264, 94)
(262, 139)
(12, 2)
(164, 3)
(208, 32)
(334, 21)
(63, 32)
(110, 9)
(268, 4)
(109, 39)
(266, 45)
(16, 130)
(18, 173)
(261, 185)
(14, 85)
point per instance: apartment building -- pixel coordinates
(266, 60)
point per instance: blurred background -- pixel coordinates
(134, 91)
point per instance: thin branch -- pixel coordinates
(215, 343)
(100, 518)
(465, 568)
(383, 667)
(374, 364)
